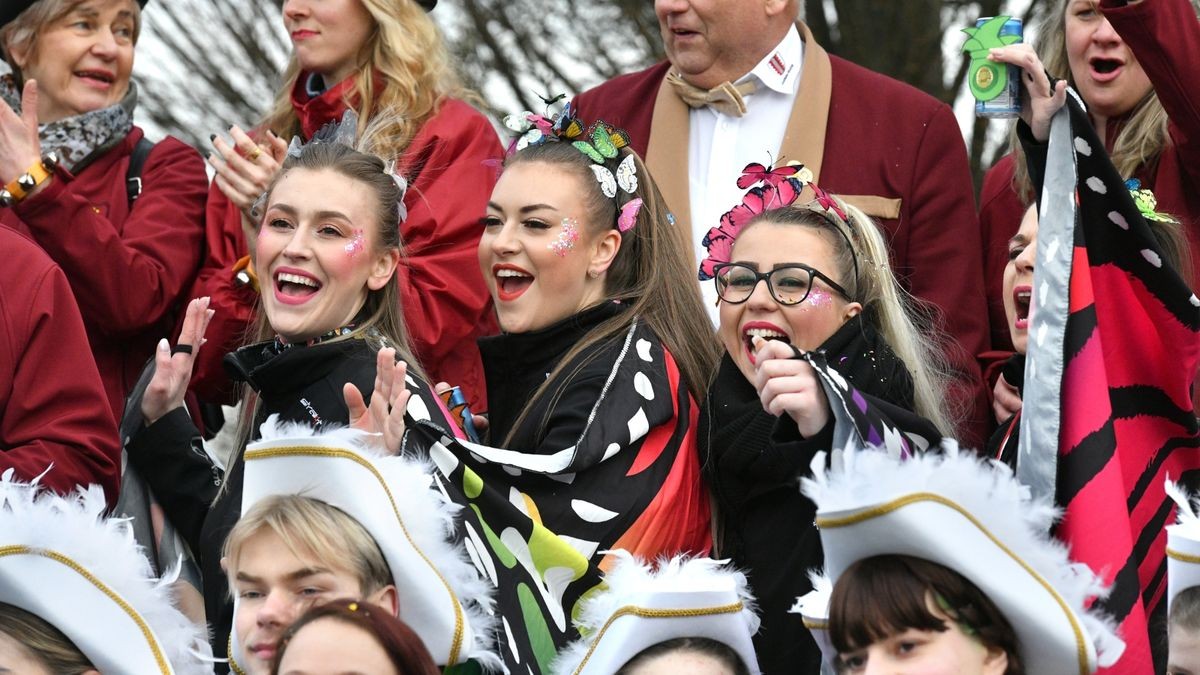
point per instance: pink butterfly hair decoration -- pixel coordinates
(768, 189)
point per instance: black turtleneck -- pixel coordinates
(516, 364)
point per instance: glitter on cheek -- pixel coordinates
(818, 298)
(356, 245)
(567, 238)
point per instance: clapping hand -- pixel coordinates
(389, 401)
(173, 367)
(20, 147)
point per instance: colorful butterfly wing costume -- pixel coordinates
(614, 466)
(1113, 351)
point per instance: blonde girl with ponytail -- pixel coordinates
(804, 278)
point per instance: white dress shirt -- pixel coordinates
(720, 146)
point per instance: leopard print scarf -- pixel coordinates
(80, 139)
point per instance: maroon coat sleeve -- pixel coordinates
(53, 409)
(127, 274)
(446, 303)
(233, 305)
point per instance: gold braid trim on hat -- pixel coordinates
(82, 571)
(645, 613)
(1183, 557)
(895, 505)
(316, 451)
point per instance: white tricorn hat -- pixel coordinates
(637, 607)
(973, 517)
(441, 594)
(62, 560)
(1183, 545)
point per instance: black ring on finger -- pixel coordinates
(181, 349)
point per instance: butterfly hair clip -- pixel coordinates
(1146, 202)
(534, 129)
(766, 189)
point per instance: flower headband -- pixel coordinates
(600, 143)
(770, 189)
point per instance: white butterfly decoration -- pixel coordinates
(608, 183)
(627, 175)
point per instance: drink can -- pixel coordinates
(460, 412)
(1008, 103)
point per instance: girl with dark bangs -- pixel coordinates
(896, 607)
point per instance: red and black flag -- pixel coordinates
(1114, 345)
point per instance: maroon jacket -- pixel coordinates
(445, 301)
(1165, 37)
(53, 412)
(900, 152)
(128, 268)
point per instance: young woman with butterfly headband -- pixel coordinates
(593, 383)
(794, 278)
(384, 60)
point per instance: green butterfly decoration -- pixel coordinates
(1146, 202)
(605, 144)
(987, 79)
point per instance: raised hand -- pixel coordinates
(20, 147)
(244, 169)
(789, 385)
(1039, 100)
(173, 367)
(389, 401)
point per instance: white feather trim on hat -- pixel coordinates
(813, 608)
(428, 519)
(686, 591)
(67, 539)
(1183, 543)
(1000, 511)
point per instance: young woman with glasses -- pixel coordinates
(801, 278)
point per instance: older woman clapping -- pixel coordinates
(123, 217)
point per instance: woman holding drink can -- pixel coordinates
(1135, 67)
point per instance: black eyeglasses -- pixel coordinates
(789, 285)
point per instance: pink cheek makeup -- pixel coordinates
(356, 245)
(818, 298)
(567, 238)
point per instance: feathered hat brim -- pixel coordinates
(973, 518)
(441, 595)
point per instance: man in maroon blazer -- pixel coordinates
(884, 146)
(890, 149)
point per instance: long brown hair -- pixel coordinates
(651, 273)
(407, 51)
(384, 325)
